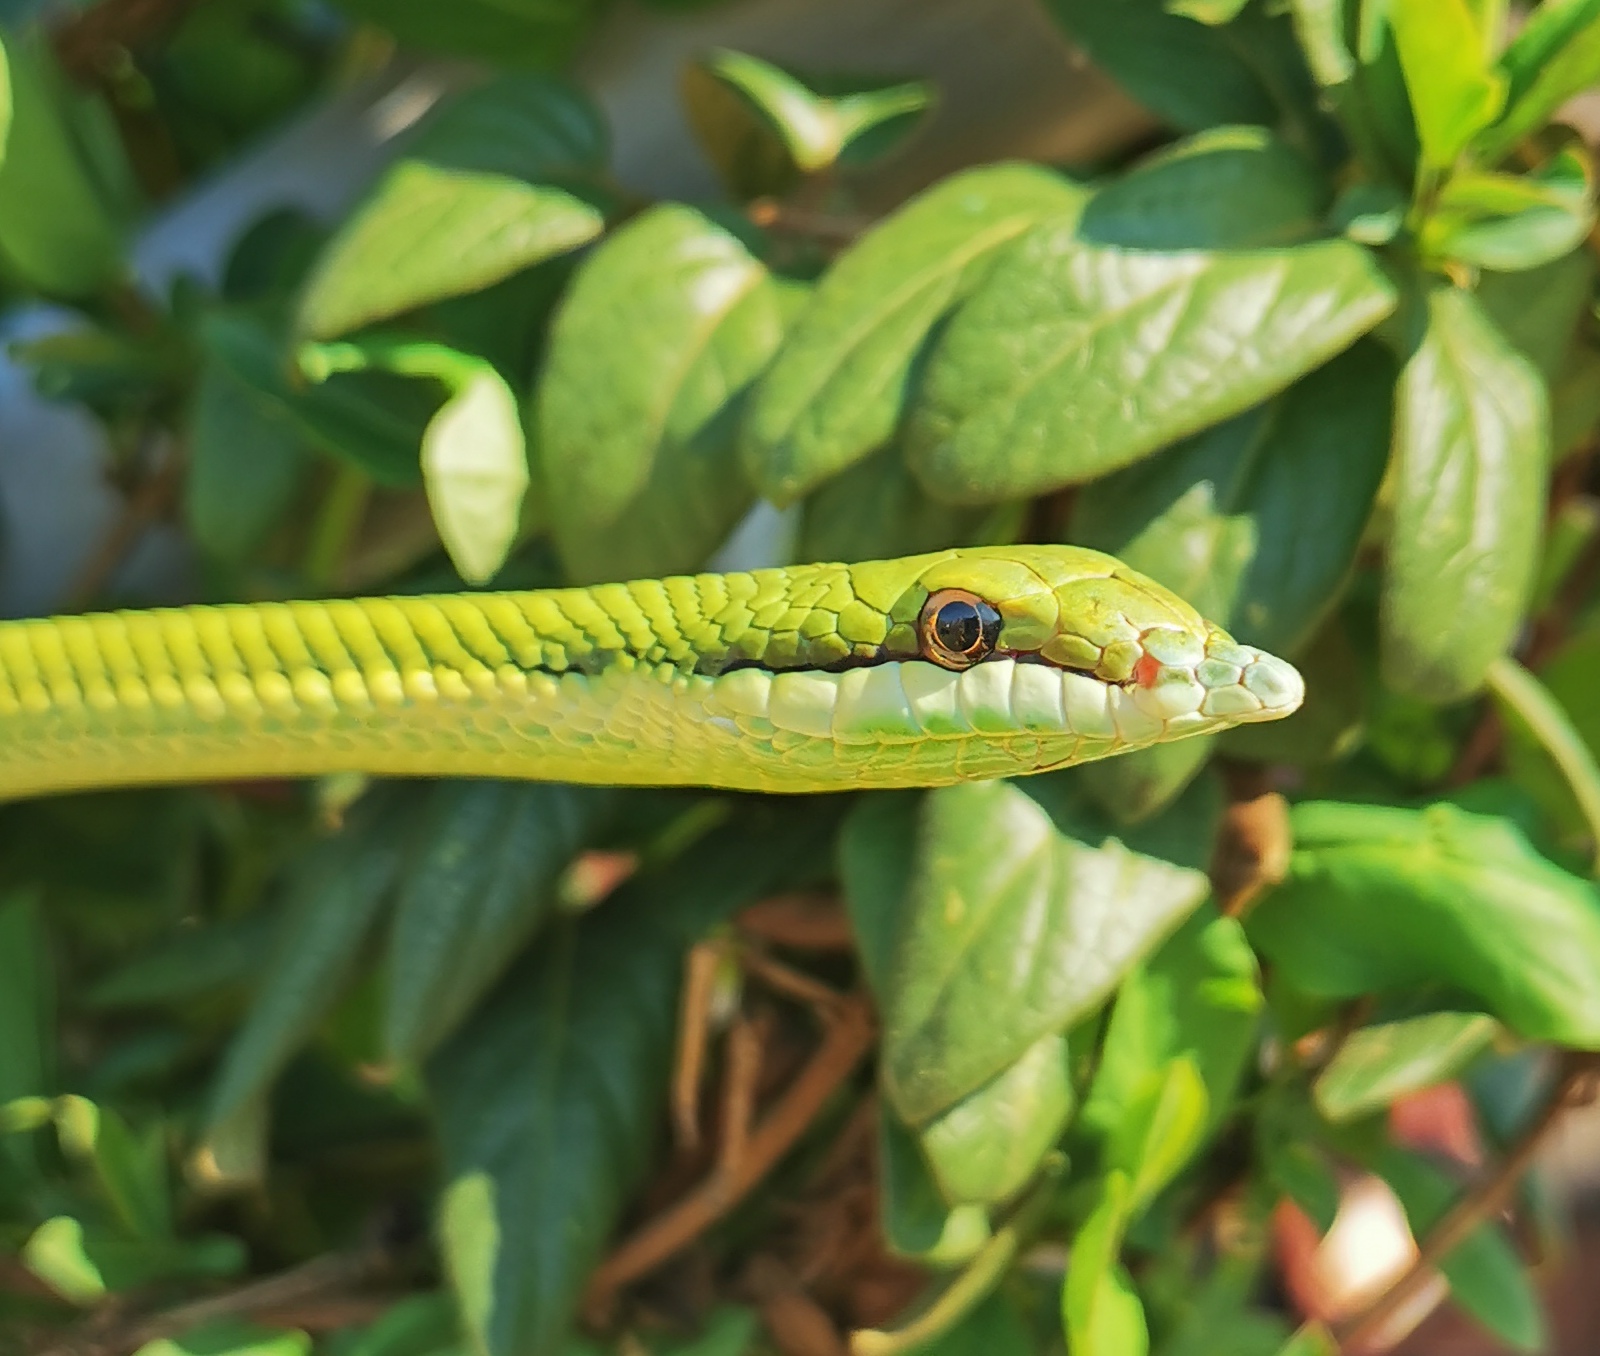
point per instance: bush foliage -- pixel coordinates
(385, 1069)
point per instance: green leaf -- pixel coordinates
(1256, 522)
(246, 459)
(373, 420)
(1135, 786)
(917, 1221)
(1072, 360)
(840, 381)
(472, 201)
(547, 1097)
(1486, 1276)
(1555, 56)
(1378, 1064)
(419, 1325)
(1320, 27)
(84, 1262)
(1061, 923)
(761, 125)
(1160, 1129)
(1198, 997)
(661, 332)
(60, 231)
(332, 905)
(1527, 704)
(1188, 73)
(1512, 222)
(1471, 439)
(482, 882)
(1099, 1308)
(229, 1337)
(27, 1015)
(1226, 188)
(877, 510)
(1455, 92)
(131, 1171)
(191, 962)
(989, 1145)
(505, 32)
(475, 470)
(1385, 900)
(1537, 311)
(1331, 721)
(428, 233)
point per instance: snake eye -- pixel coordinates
(957, 628)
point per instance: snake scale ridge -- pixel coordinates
(921, 671)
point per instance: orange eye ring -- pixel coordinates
(957, 629)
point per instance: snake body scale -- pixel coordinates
(920, 671)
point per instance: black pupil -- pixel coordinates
(958, 627)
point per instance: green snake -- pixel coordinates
(978, 663)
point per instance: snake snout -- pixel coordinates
(1245, 684)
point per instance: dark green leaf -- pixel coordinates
(1227, 188)
(482, 881)
(27, 1014)
(1072, 360)
(547, 1098)
(1187, 72)
(506, 32)
(420, 1325)
(371, 419)
(662, 330)
(1256, 522)
(1555, 56)
(245, 462)
(877, 510)
(1132, 787)
(998, 895)
(59, 227)
(1471, 438)
(190, 963)
(1537, 311)
(1330, 722)
(1378, 1064)
(840, 381)
(131, 1170)
(333, 903)
(1380, 899)
(1486, 1276)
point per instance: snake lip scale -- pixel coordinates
(959, 664)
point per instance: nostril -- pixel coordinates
(1147, 670)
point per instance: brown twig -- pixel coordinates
(741, 1077)
(789, 982)
(322, 1278)
(848, 1039)
(153, 496)
(1576, 1087)
(805, 922)
(793, 219)
(694, 1029)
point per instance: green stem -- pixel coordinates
(343, 508)
(969, 1289)
(1523, 695)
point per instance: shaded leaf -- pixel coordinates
(1486, 1276)
(662, 330)
(131, 1170)
(546, 1098)
(917, 1220)
(1141, 45)
(1226, 188)
(840, 381)
(332, 904)
(1055, 930)
(1256, 522)
(1378, 1064)
(59, 223)
(1380, 899)
(246, 458)
(1471, 439)
(506, 32)
(481, 883)
(1072, 360)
